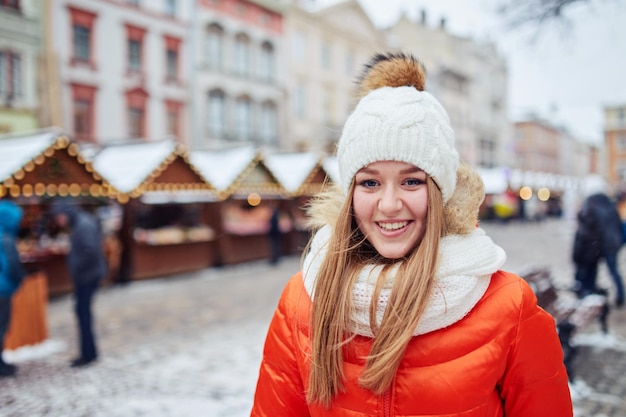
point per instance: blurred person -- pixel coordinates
(598, 236)
(87, 266)
(401, 307)
(11, 271)
(275, 235)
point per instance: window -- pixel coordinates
(135, 122)
(82, 117)
(268, 123)
(83, 97)
(136, 110)
(81, 43)
(243, 119)
(214, 46)
(135, 37)
(82, 35)
(216, 114)
(298, 47)
(242, 55)
(10, 75)
(350, 60)
(134, 55)
(172, 64)
(326, 58)
(173, 115)
(266, 64)
(170, 7)
(171, 58)
(300, 101)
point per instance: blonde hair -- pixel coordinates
(348, 251)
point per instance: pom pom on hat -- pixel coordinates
(397, 121)
(392, 70)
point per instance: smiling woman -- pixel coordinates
(401, 304)
(390, 203)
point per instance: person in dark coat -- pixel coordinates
(11, 271)
(598, 236)
(87, 267)
(275, 235)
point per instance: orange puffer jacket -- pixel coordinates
(502, 359)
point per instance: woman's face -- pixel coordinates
(390, 203)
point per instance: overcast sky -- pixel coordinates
(567, 74)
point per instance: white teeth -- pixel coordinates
(392, 226)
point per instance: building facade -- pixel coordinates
(237, 61)
(324, 53)
(20, 55)
(470, 80)
(122, 68)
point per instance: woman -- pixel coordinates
(401, 308)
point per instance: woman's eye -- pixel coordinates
(413, 182)
(368, 183)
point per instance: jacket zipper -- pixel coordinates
(387, 403)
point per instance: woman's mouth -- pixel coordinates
(392, 226)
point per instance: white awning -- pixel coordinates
(17, 150)
(291, 170)
(221, 168)
(127, 166)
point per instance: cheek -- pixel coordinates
(360, 207)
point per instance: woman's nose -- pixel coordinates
(389, 201)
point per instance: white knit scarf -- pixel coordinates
(466, 263)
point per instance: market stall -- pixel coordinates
(303, 175)
(170, 220)
(36, 168)
(250, 193)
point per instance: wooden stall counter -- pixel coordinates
(54, 267)
(29, 320)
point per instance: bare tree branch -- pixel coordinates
(518, 13)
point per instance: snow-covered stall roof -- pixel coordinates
(293, 170)
(46, 162)
(146, 168)
(223, 167)
(238, 172)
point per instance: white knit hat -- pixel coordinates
(399, 123)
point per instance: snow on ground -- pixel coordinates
(215, 375)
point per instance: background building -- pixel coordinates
(615, 144)
(275, 74)
(122, 68)
(326, 49)
(470, 80)
(237, 73)
(20, 52)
